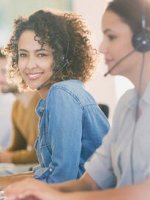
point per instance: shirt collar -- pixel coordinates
(146, 95)
(133, 97)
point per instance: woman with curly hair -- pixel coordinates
(52, 53)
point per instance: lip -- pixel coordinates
(108, 61)
(34, 76)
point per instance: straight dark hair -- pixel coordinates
(132, 12)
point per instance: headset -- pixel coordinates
(141, 40)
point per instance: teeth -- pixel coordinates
(34, 76)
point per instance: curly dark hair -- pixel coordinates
(66, 34)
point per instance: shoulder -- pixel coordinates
(68, 92)
(72, 88)
(68, 85)
(126, 98)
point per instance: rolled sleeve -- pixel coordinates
(41, 173)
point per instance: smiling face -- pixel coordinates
(117, 43)
(34, 60)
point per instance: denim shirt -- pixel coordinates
(71, 127)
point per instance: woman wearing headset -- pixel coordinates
(51, 52)
(123, 161)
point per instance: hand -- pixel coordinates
(6, 157)
(31, 189)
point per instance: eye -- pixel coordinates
(111, 37)
(22, 55)
(42, 55)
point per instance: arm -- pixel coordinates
(38, 190)
(7, 180)
(18, 141)
(85, 183)
(25, 132)
(43, 191)
(9, 155)
(63, 138)
(28, 129)
(134, 192)
(19, 151)
(67, 126)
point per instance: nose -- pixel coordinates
(31, 62)
(103, 47)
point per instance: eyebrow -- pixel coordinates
(37, 50)
(107, 30)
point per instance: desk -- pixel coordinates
(10, 169)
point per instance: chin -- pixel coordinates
(115, 74)
(33, 87)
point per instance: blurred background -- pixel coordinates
(105, 90)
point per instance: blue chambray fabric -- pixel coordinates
(71, 127)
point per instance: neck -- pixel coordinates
(140, 76)
(43, 92)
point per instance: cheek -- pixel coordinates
(21, 65)
(126, 47)
(123, 51)
(2, 77)
(21, 69)
(47, 65)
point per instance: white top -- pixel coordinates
(124, 157)
(6, 102)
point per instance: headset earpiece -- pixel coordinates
(141, 41)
